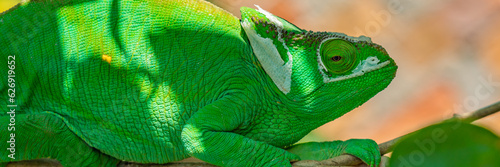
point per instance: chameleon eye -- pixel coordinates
(338, 56)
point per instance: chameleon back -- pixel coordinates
(124, 84)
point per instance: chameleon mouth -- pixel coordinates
(389, 72)
(390, 67)
(380, 84)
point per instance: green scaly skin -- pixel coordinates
(156, 81)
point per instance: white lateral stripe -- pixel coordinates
(270, 59)
(279, 27)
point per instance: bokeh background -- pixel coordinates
(448, 54)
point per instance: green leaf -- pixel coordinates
(448, 144)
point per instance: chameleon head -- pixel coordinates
(320, 73)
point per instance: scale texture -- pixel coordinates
(155, 81)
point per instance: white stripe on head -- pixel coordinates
(270, 58)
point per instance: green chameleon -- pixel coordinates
(96, 82)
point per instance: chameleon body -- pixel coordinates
(156, 81)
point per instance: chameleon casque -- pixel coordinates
(155, 81)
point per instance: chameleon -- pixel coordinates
(98, 82)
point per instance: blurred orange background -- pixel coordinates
(448, 54)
